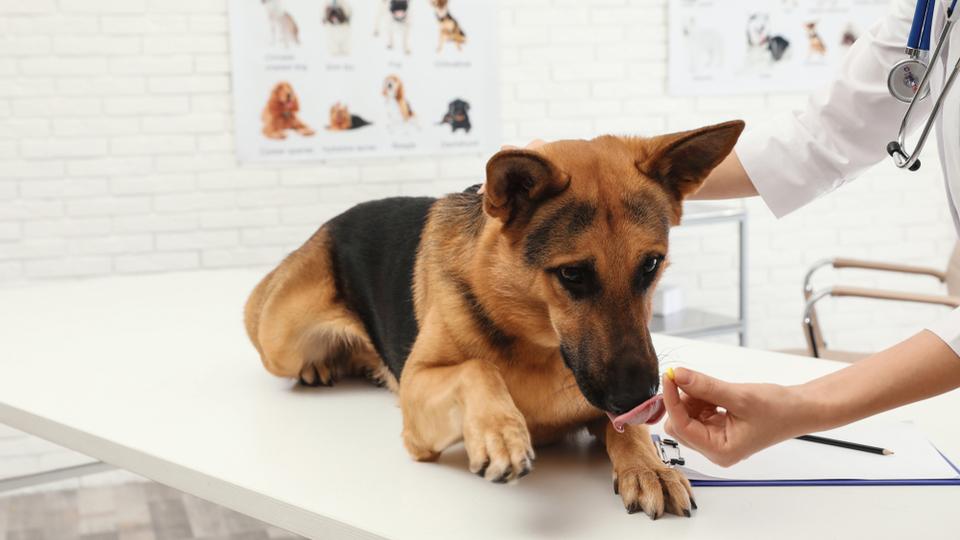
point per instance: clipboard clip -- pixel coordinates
(669, 451)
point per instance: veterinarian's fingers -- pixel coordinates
(696, 406)
(509, 147)
(536, 143)
(669, 429)
(707, 388)
(687, 431)
(676, 408)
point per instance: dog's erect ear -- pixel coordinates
(679, 162)
(517, 181)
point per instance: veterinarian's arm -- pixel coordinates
(841, 131)
(759, 415)
(728, 181)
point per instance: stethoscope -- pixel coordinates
(909, 78)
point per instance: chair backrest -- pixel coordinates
(953, 272)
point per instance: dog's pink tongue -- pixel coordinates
(648, 412)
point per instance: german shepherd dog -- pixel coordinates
(505, 319)
(450, 29)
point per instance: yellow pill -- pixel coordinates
(670, 373)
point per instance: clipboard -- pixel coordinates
(810, 464)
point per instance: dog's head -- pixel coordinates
(458, 109)
(586, 227)
(398, 9)
(393, 88)
(339, 116)
(283, 99)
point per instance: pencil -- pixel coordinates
(846, 444)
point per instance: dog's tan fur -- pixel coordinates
(300, 328)
(462, 381)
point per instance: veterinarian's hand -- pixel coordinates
(753, 416)
(532, 145)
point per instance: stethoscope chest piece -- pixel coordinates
(909, 79)
(905, 77)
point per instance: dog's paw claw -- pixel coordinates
(310, 376)
(526, 467)
(655, 491)
(319, 374)
(504, 476)
(481, 471)
(502, 444)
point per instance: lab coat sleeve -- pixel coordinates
(844, 128)
(948, 329)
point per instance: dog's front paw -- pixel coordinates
(498, 447)
(317, 374)
(654, 490)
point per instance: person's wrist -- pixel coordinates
(815, 410)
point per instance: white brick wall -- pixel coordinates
(116, 156)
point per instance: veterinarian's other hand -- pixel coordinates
(532, 145)
(753, 416)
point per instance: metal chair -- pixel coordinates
(817, 347)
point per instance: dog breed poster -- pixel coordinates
(759, 46)
(343, 79)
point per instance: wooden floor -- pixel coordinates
(131, 511)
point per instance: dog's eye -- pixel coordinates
(573, 275)
(651, 263)
(580, 280)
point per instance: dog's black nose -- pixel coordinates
(623, 403)
(629, 384)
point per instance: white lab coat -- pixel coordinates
(846, 126)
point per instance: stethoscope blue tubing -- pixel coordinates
(919, 39)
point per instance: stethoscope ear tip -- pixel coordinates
(893, 148)
(896, 152)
